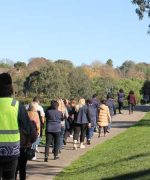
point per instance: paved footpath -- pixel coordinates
(41, 170)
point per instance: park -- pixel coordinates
(75, 90)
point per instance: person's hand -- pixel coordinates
(89, 125)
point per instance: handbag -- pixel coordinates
(30, 153)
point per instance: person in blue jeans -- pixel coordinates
(112, 109)
(93, 116)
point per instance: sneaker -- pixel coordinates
(82, 146)
(34, 158)
(71, 135)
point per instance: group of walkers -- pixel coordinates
(21, 127)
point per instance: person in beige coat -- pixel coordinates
(104, 117)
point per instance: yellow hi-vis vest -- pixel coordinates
(9, 129)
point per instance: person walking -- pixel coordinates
(69, 125)
(104, 117)
(13, 119)
(93, 116)
(112, 109)
(40, 110)
(62, 108)
(27, 152)
(131, 101)
(121, 97)
(82, 121)
(53, 129)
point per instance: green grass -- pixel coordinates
(126, 156)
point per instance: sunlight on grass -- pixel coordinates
(123, 157)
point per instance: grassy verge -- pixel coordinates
(126, 156)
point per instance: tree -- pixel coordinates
(80, 85)
(109, 62)
(18, 65)
(126, 67)
(49, 82)
(143, 6)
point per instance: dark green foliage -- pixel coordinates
(103, 85)
(79, 84)
(143, 7)
(19, 65)
(109, 62)
(49, 82)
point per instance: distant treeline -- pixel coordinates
(61, 79)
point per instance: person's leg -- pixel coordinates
(130, 107)
(99, 131)
(56, 136)
(105, 130)
(1, 168)
(49, 138)
(82, 134)
(76, 135)
(9, 169)
(90, 132)
(62, 137)
(119, 107)
(22, 162)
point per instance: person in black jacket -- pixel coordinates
(53, 129)
(93, 116)
(81, 122)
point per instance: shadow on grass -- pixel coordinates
(129, 176)
(80, 170)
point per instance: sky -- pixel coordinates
(82, 31)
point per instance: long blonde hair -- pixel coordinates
(61, 106)
(80, 104)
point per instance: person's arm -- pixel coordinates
(108, 114)
(23, 119)
(25, 125)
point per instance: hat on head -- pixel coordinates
(5, 79)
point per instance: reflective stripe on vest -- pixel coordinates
(9, 129)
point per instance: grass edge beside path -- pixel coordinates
(126, 156)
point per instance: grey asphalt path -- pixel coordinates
(40, 170)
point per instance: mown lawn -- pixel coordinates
(126, 156)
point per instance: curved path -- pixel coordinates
(39, 170)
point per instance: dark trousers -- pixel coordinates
(22, 163)
(105, 128)
(120, 106)
(80, 129)
(8, 169)
(52, 137)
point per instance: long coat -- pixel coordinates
(104, 116)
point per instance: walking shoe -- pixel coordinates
(34, 158)
(88, 142)
(75, 144)
(46, 160)
(56, 157)
(82, 146)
